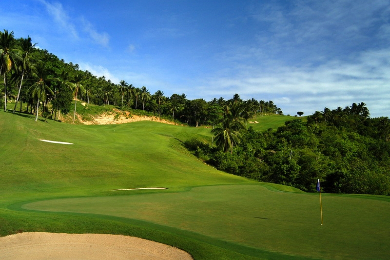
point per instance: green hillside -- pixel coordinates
(263, 123)
(76, 188)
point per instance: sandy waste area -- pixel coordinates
(40, 245)
(116, 117)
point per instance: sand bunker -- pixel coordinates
(36, 246)
(54, 142)
(121, 117)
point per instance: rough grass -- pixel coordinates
(208, 213)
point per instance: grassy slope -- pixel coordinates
(102, 158)
(269, 121)
(148, 154)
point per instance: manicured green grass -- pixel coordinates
(101, 158)
(263, 123)
(212, 215)
(253, 216)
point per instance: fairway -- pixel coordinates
(263, 123)
(101, 184)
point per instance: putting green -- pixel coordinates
(252, 215)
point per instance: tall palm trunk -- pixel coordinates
(75, 102)
(74, 112)
(20, 88)
(5, 93)
(36, 117)
(159, 109)
(1, 69)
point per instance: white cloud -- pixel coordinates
(131, 48)
(99, 71)
(308, 31)
(60, 16)
(101, 38)
(332, 84)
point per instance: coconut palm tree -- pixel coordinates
(123, 88)
(177, 103)
(7, 58)
(90, 79)
(25, 65)
(159, 96)
(76, 87)
(129, 94)
(108, 91)
(145, 96)
(261, 107)
(40, 89)
(64, 84)
(136, 93)
(228, 132)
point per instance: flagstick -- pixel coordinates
(322, 218)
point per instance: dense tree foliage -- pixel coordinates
(344, 148)
(22, 66)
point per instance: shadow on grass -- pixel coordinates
(31, 116)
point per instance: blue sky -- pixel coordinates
(303, 55)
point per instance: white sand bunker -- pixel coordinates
(155, 188)
(54, 142)
(36, 246)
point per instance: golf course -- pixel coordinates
(137, 179)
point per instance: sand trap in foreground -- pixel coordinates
(39, 245)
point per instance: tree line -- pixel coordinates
(48, 86)
(345, 148)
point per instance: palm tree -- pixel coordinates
(228, 134)
(123, 88)
(40, 89)
(177, 103)
(108, 89)
(27, 48)
(76, 87)
(64, 81)
(261, 107)
(159, 96)
(136, 94)
(174, 107)
(129, 94)
(90, 79)
(236, 98)
(7, 58)
(214, 112)
(145, 96)
(248, 110)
